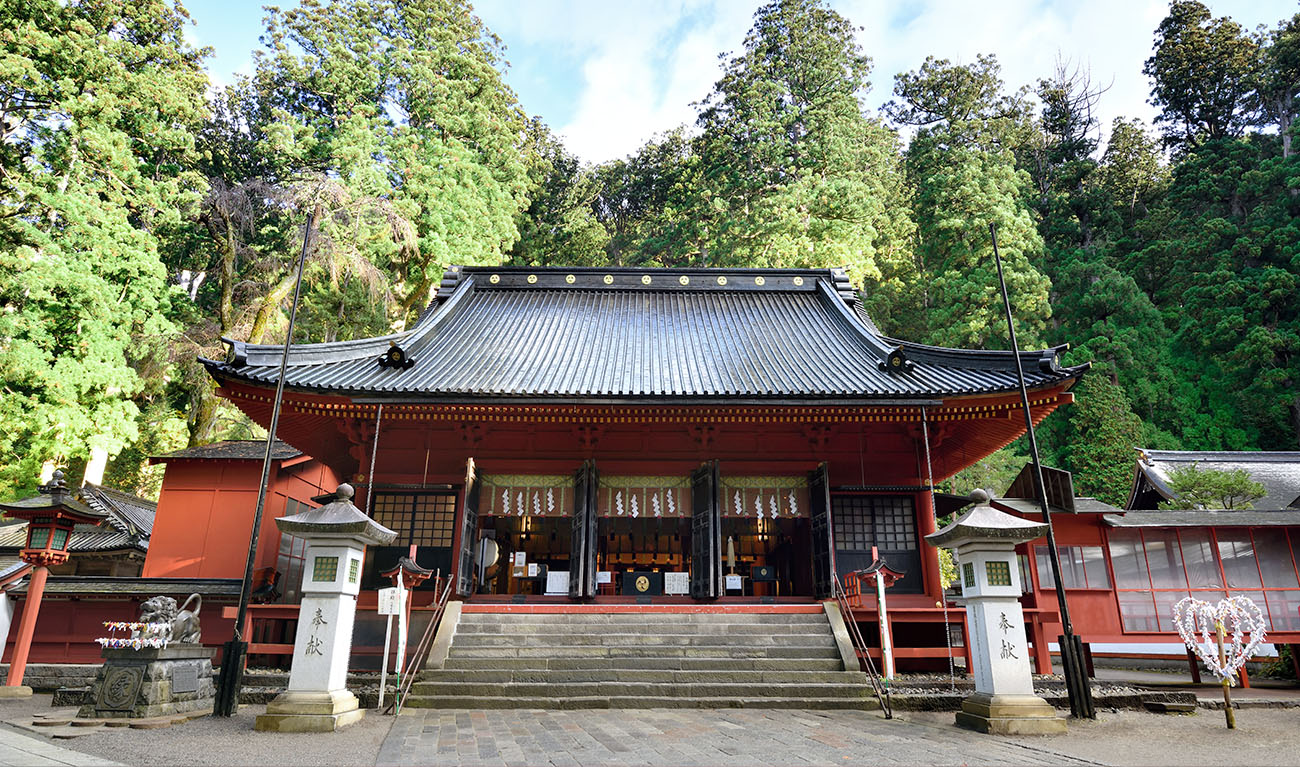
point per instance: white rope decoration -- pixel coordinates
(1239, 620)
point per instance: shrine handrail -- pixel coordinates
(414, 662)
(880, 686)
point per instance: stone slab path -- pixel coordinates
(692, 737)
(18, 749)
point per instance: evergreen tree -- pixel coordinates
(99, 104)
(793, 173)
(1103, 434)
(401, 109)
(560, 225)
(1201, 72)
(964, 178)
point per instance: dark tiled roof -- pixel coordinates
(90, 585)
(126, 512)
(1202, 518)
(1279, 472)
(127, 524)
(1082, 505)
(235, 449)
(707, 334)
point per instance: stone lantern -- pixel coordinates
(51, 517)
(1004, 702)
(317, 699)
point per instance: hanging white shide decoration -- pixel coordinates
(740, 509)
(654, 504)
(635, 511)
(672, 506)
(618, 503)
(1237, 619)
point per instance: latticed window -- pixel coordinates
(863, 521)
(998, 573)
(325, 569)
(422, 519)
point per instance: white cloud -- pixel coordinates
(643, 63)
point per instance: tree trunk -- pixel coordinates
(203, 416)
(270, 305)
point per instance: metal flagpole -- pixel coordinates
(1076, 678)
(231, 678)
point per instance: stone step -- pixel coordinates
(678, 627)
(678, 676)
(635, 701)
(643, 640)
(656, 663)
(817, 618)
(730, 652)
(639, 689)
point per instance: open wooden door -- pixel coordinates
(823, 539)
(706, 533)
(582, 556)
(468, 532)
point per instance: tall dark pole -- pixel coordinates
(232, 659)
(1076, 678)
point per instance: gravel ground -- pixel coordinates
(1264, 737)
(219, 741)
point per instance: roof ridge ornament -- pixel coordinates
(897, 362)
(396, 357)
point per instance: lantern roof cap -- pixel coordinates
(52, 498)
(982, 522)
(406, 565)
(338, 517)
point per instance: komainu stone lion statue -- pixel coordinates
(184, 622)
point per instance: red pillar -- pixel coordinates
(27, 626)
(929, 554)
(1042, 653)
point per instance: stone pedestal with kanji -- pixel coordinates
(317, 699)
(1004, 702)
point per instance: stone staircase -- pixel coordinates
(643, 660)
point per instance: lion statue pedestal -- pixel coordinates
(156, 681)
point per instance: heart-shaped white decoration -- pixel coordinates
(1238, 618)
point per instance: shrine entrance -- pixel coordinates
(702, 536)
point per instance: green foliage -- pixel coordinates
(792, 172)
(1202, 72)
(389, 122)
(560, 225)
(99, 101)
(1197, 488)
(948, 292)
(1103, 435)
(401, 106)
(994, 472)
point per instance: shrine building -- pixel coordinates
(619, 435)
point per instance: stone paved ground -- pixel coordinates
(21, 750)
(691, 737)
(772, 737)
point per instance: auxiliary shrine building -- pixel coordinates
(671, 436)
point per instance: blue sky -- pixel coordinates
(607, 75)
